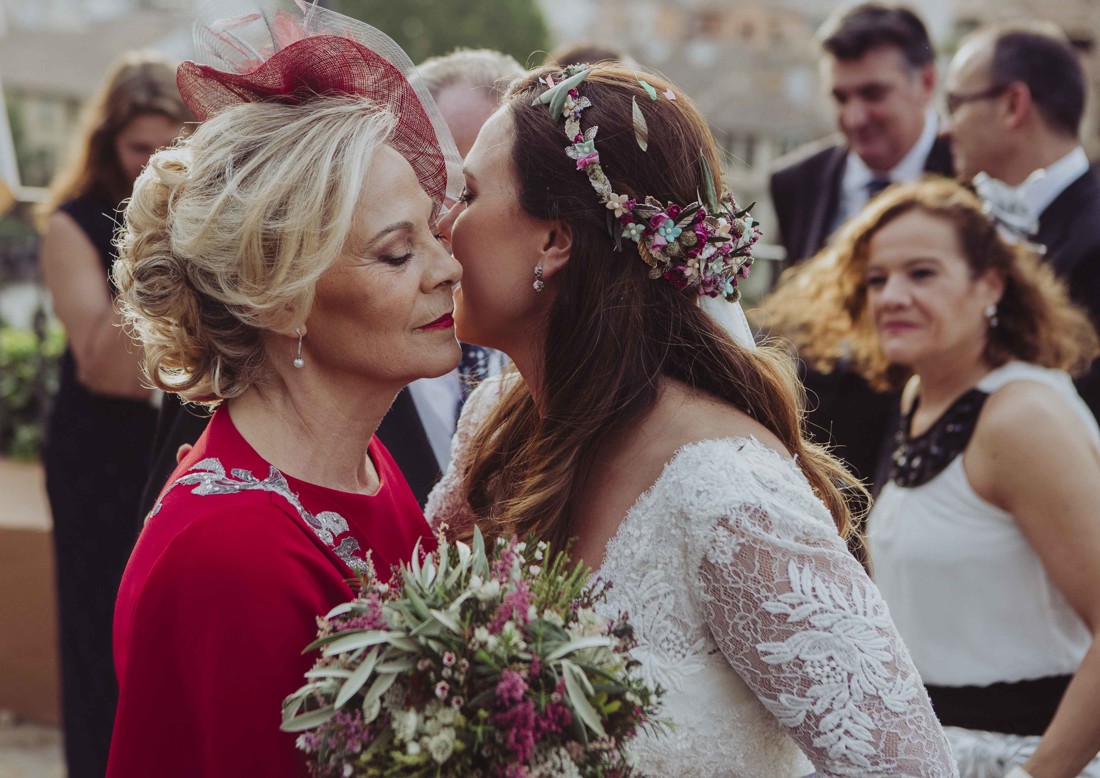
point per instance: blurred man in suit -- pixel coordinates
(879, 68)
(1015, 99)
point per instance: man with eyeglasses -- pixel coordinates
(879, 68)
(1015, 99)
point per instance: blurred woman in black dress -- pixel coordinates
(102, 421)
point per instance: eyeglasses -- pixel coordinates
(956, 100)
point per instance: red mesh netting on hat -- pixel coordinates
(294, 51)
(316, 67)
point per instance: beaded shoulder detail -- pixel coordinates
(209, 477)
(920, 458)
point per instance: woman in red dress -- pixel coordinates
(281, 264)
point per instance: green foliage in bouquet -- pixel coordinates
(28, 376)
(471, 664)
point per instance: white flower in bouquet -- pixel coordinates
(474, 664)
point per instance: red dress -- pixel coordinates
(221, 595)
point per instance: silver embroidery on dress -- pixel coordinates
(209, 477)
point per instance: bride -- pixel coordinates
(669, 454)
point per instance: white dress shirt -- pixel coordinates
(1042, 187)
(853, 186)
(436, 401)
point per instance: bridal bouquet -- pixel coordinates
(472, 664)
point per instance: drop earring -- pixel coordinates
(991, 314)
(538, 285)
(298, 361)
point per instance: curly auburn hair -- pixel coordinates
(821, 308)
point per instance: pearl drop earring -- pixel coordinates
(298, 361)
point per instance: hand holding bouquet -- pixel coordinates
(472, 666)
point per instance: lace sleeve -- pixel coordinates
(447, 502)
(802, 624)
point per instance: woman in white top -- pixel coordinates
(668, 454)
(985, 542)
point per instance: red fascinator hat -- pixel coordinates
(294, 52)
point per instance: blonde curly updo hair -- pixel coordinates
(228, 232)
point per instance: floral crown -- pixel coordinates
(705, 247)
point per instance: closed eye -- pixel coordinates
(396, 260)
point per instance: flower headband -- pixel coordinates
(707, 248)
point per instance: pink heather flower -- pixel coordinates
(371, 620)
(517, 723)
(441, 690)
(448, 658)
(457, 702)
(514, 606)
(502, 570)
(346, 732)
(556, 718)
(511, 687)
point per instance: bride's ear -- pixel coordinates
(556, 248)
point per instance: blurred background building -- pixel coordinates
(750, 65)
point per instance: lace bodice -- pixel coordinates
(777, 652)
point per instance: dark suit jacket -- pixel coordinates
(843, 412)
(805, 192)
(401, 431)
(404, 435)
(1070, 229)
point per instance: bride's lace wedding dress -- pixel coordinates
(776, 651)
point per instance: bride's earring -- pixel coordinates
(991, 315)
(298, 361)
(538, 285)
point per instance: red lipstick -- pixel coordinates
(446, 321)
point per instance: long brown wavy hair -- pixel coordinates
(821, 308)
(613, 333)
(139, 84)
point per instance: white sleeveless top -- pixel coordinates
(967, 592)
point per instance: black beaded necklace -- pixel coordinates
(919, 459)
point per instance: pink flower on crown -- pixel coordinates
(583, 149)
(674, 211)
(588, 159)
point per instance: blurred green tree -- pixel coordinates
(426, 28)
